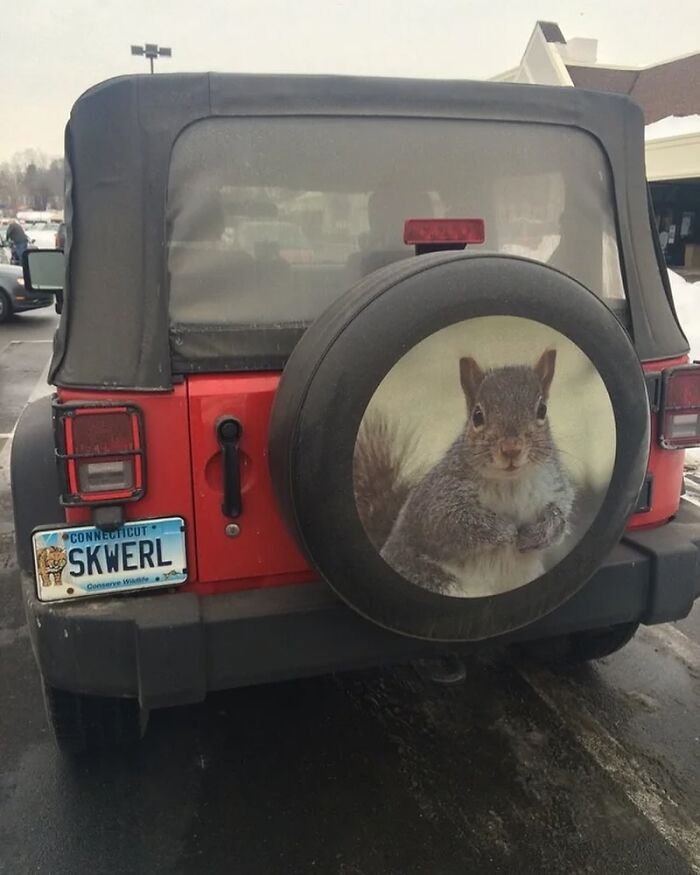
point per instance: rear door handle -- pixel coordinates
(228, 434)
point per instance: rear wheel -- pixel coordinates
(83, 723)
(579, 647)
(5, 307)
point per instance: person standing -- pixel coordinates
(17, 238)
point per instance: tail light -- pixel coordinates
(679, 420)
(102, 451)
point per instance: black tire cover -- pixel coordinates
(333, 375)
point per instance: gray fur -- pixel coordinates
(446, 520)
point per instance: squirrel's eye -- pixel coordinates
(541, 410)
(478, 417)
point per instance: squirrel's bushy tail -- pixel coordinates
(380, 475)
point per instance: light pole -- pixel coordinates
(152, 51)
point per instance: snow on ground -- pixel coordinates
(672, 126)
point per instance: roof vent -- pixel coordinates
(551, 31)
(580, 51)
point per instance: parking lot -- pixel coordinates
(594, 770)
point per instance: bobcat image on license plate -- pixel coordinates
(50, 564)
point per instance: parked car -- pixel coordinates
(14, 297)
(253, 470)
(43, 234)
(283, 240)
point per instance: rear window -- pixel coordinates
(271, 219)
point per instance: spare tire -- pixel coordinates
(458, 442)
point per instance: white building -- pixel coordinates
(669, 94)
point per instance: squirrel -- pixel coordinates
(479, 520)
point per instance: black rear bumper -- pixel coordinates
(171, 649)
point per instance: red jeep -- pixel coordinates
(460, 416)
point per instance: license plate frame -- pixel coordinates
(60, 552)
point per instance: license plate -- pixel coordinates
(80, 561)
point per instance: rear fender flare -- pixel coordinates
(34, 477)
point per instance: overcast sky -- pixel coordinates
(52, 51)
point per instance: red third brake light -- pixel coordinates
(679, 425)
(441, 231)
(102, 447)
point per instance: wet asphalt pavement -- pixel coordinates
(519, 769)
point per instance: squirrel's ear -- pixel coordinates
(471, 376)
(545, 369)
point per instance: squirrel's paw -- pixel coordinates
(531, 537)
(556, 521)
(544, 533)
(504, 533)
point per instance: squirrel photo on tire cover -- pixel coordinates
(491, 506)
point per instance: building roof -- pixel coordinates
(603, 78)
(670, 88)
(673, 126)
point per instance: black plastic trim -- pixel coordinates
(170, 649)
(653, 382)
(645, 499)
(108, 517)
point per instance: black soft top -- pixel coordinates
(114, 327)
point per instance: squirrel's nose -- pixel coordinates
(511, 448)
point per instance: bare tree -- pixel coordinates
(31, 180)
